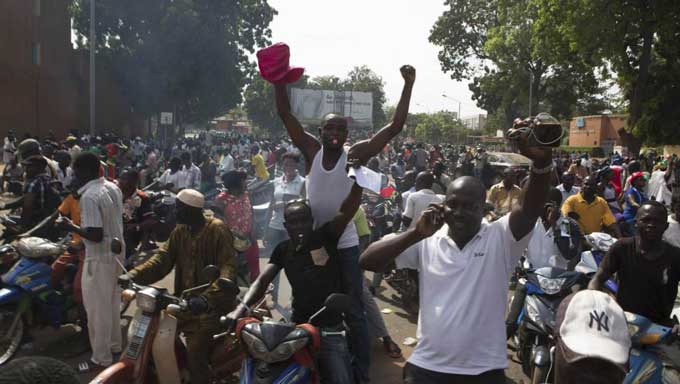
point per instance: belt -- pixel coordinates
(337, 330)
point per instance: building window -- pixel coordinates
(35, 54)
(36, 7)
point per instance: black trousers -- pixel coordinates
(416, 375)
(515, 309)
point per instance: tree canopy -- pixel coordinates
(495, 43)
(572, 50)
(638, 41)
(189, 56)
(439, 127)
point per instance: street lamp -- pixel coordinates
(457, 101)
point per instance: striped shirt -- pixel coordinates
(101, 206)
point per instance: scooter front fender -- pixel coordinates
(119, 373)
(163, 350)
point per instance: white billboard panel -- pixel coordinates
(310, 106)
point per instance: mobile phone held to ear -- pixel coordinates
(542, 130)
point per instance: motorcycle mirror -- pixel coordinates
(210, 273)
(116, 246)
(228, 286)
(338, 302)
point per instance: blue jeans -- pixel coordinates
(352, 284)
(334, 361)
(274, 237)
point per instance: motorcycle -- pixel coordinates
(163, 207)
(27, 297)
(546, 287)
(645, 366)
(10, 223)
(591, 260)
(382, 215)
(283, 352)
(154, 352)
(405, 282)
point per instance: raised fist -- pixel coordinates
(408, 73)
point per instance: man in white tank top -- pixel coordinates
(328, 185)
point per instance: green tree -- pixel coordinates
(359, 79)
(494, 43)
(189, 56)
(637, 40)
(260, 105)
(439, 127)
(363, 79)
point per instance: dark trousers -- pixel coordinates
(416, 375)
(352, 284)
(334, 361)
(515, 309)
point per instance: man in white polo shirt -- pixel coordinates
(464, 267)
(101, 221)
(418, 201)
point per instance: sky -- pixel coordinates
(330, 37)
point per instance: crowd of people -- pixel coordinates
(463, 226)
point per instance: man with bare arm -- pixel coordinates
(328, 185)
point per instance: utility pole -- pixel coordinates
(531, 89)
(92, 70)
(451, 98)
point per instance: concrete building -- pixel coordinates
(233, 122)
(475, 122)
(596, 131)
(44, 81)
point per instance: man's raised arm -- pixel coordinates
(307, 143)
(382, 252)
(366, 149)
(533, 198)
(348, 209)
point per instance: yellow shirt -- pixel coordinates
(592, 216)
(260, 169)
(502, 199)
(361, 223)
(70, 207)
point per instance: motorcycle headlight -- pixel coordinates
(551, 286)
(282, 352)
(286, 349)
(146, 302)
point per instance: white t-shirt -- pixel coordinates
(404, 197)
(672, 234)
(542, 250)
(565, 195)
(281, 188)
(417, 202)
(463, 295)
(171, 178)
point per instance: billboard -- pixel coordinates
(310, 105)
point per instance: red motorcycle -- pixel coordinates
(154, 352)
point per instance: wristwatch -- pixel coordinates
(543, 171)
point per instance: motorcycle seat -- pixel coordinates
(37, 248)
